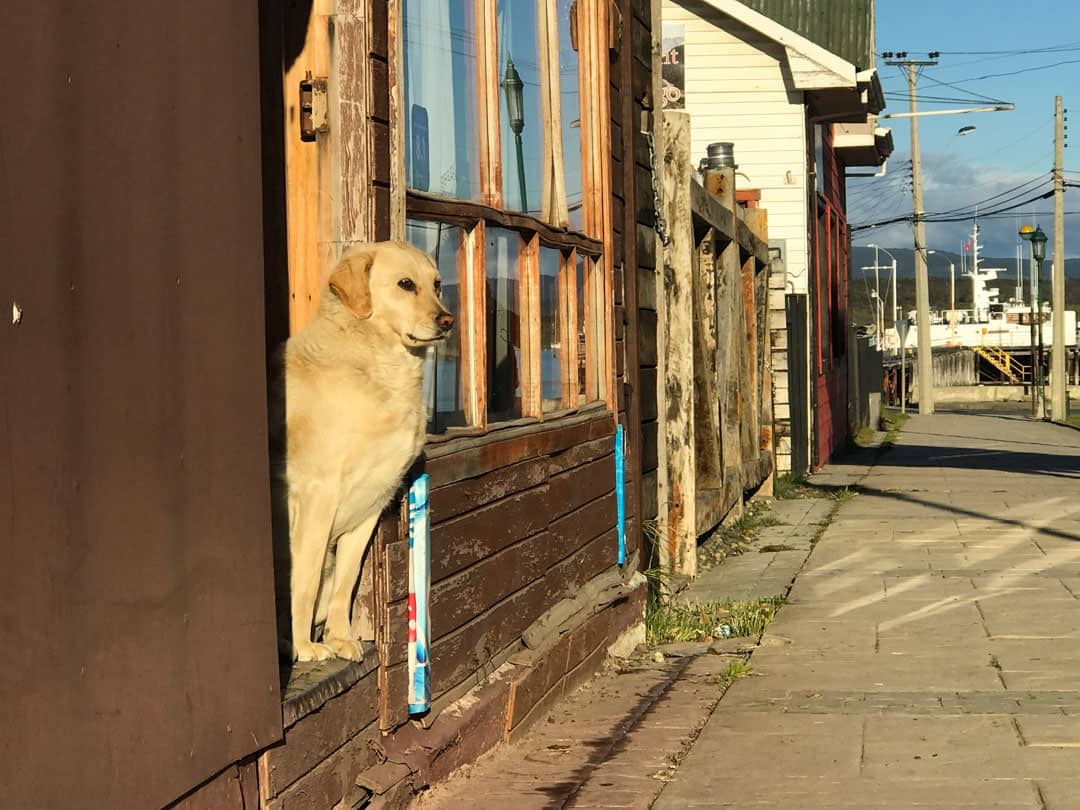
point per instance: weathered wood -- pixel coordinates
(678, 525)
(318, 735)
(235, 788)
(570, 490)
(466, 540)
(529, 327)
(458, 599)
(310, 685)
(355, 137)
(464, 496)
(473, 324)
(487, 102)
(331, 779)
(596, 594)
(729, 341)
(467, 213)
(395, 53)
(718, 215)
(468, 458)
(706, 392)
(457, 656)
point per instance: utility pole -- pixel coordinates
(922, 291)
(1057, 357)
(922, 284)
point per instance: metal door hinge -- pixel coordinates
(314, 109)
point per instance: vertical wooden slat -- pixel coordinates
(678, 493)
(529, 326)
(475, 339)
(308, 178)
(487, 99)
(603, 156)
(351, 100)
(396, 71)
(706, 388)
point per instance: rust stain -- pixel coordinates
(766, 437)
(675, 519)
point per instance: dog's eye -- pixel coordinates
(407, 284)
(438, 287)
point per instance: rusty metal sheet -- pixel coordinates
(138, 612)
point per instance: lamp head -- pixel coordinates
(515, 104)
(1038, 244)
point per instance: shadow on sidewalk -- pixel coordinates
(973, 459)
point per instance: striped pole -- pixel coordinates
(620, 493)
(419, 586)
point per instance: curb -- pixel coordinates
(1063, 424)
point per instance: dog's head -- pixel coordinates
(397, 284)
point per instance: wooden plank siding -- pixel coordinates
(506, 545)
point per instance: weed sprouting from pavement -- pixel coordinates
(739, 668)
(666, 623)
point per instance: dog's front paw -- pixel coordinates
(312, 651)
(345, 648)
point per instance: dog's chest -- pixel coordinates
(373, 468)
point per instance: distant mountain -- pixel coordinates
(938, 262)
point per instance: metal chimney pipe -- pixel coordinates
(720, 155)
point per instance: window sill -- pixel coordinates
(464, 437)
(308, 686)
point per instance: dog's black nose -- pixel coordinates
(445, 321)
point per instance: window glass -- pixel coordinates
(441, 120)
(569, 102)
(523, 151)
(444, 390)
(503, 325)
(551, 345)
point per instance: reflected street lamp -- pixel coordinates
(513, 86)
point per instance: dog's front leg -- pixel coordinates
(350, 557)
(311, 516)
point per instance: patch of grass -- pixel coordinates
(789, 487)
(1073, 419)
(864, 437)
(666, 623)
(842, 495)
(739, 668)
(893, 422)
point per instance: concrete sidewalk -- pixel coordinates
(929, 653)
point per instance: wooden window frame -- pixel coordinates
(593, 243)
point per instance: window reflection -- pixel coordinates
(551, 347)
(518, 40)
(579, 331)
(440, 66)
(503, 325)
(443, 383)
(569, 102)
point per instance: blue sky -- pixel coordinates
(1007, 149)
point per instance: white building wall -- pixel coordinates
(736, 91)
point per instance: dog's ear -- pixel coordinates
(351, 283)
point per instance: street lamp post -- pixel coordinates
(514, 87)
(896, 313)
(1038, 253)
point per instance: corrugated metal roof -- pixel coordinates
(843, 27)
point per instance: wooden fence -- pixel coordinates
(714, 382)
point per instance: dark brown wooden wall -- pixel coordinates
(642, 218)
(517, 525)
(138, 607)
